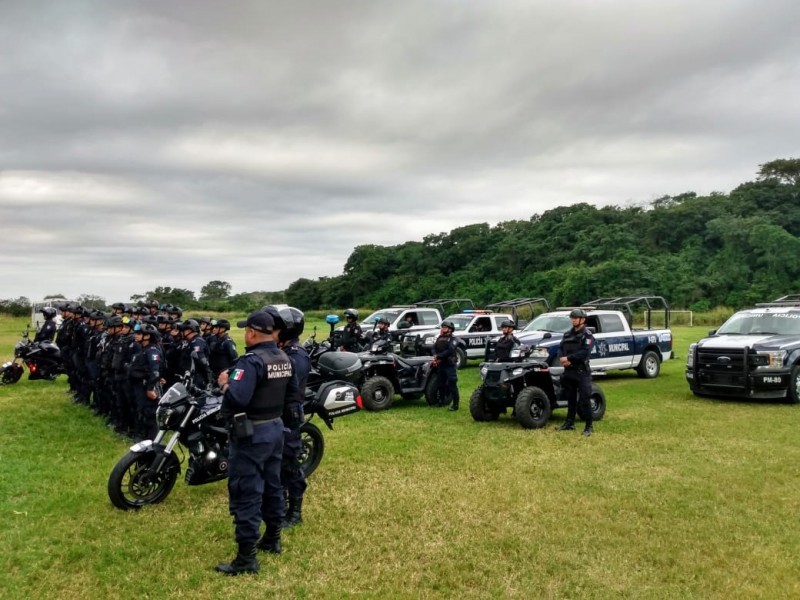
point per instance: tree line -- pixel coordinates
(699, 252)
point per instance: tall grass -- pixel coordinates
(674, 496)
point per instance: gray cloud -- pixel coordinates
(152, 143)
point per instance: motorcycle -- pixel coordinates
(43, 360)
(148, 472)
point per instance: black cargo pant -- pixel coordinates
(576, 389)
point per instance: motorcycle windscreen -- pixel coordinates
(174, 395)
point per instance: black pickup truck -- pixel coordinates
(754, 354)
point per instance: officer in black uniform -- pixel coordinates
(145, 369)
(194, 353)
(48, 331)
(221, 348)
(253, 402)
(352, 333)
(382, 331)
(576, 382)
(445, 359)
(506, 342)
(289, 324)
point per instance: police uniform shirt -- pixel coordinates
(504, 346)
(154, 364)
(445, 348)
(248, 372)
(47, 333)
(301, 367)
(576, 346)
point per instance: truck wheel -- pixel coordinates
(461, 358)
(478, 408)
(793, 393)
(532, 408)
(650, 365)
(598, 403)
(377, 393)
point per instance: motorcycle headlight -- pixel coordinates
(517, 372)
(163, 416)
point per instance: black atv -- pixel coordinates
(386, 373)
(529, 387)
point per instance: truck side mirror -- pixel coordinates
(547, 335)
(712, 331)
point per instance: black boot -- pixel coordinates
(271, 540)
(588, 430)
(567, 425)
(245, 562)
(294, 516)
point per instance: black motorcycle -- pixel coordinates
(43, 360)
(147, 473)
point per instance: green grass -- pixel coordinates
(674, 496)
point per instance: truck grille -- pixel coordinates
(722, 367)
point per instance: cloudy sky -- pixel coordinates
(174, 143)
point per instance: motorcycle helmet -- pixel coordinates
(351, 313)
(449, 325)
(223, 324)
(191, 325)
(507, 323)
(49, 312)
(577, 313)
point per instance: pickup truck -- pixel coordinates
(754, 354)
(474, 328)
(617, 345)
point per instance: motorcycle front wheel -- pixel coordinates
(11, 374)
(312, 448)
(132, 484)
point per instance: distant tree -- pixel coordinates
(214, 291)
(92, 301)
(18, 307)
(168, 295)
(785, 170)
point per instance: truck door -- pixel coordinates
(614, 343)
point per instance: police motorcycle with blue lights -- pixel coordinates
(189, 417)
(519, 378)
(386, 373)
(42, 358)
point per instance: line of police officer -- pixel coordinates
(117, 363)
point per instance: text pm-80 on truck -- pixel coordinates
(754, 354)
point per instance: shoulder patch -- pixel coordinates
(237, 374)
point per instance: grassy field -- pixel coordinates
(673, 497)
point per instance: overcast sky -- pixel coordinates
(175, 143)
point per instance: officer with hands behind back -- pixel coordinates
(445, 359)
(253, 403)
(507, 342)
(351, 333)
(576, 382)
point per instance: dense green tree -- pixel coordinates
(214, 291)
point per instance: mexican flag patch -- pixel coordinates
(154, 357)
(237, 374)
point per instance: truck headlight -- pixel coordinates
(770, 360)
(690, 355)
(539, 352)
(484, 370)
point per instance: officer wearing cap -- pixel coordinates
(253, 402)
(506, 342)
(576, 382)
(445, 359)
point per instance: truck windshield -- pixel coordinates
(552, 323)
(390, 315)
(461, 322)
(749, 323)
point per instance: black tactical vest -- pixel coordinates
(270, 392)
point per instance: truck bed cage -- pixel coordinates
(784, 301)
(626, 304)
(517, 303)
(441, 303)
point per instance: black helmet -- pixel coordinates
(97, 315)
(150, 330)
(191, 325)
(152, 304)
(383, 320)
(289, 320)
(449, 325)
(577, 313)
(206, 320)
(160, 319)
(118, 306)
(49, 312)
(176, 312)
(114, 321)
(351, 313)
(507, 323)
(223, 324)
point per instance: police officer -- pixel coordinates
(253, 402)
(145, 369)
(445, 359)
(382, 332)
(289, 324)
(506, 342)
(576, 382)
(194, 353)
(48, 331)
(352, 333)
(222, 349)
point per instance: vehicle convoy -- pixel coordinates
(754, 354)
(473, 329)
(193, 417)
(529, 387)
(43, 360)
(617, 345)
